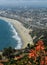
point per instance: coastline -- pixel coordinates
(22, 31)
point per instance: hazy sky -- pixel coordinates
(19, 2)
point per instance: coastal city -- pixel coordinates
(34, 19)
(23, 32)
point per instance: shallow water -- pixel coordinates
(9, 36)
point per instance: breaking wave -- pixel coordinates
(16, 36)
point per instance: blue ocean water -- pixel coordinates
(9, 36)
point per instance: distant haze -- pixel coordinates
(33, 3)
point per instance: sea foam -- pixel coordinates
(16, 36)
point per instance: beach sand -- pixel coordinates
(23, 32)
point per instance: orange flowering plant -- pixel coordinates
(39, 53)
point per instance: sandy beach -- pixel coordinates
(23, 32)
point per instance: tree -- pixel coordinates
(28, 45)
(8, 53)
(0, 57)
(44, 38)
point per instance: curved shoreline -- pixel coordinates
(22, 31)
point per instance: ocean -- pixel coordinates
(9, 36)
